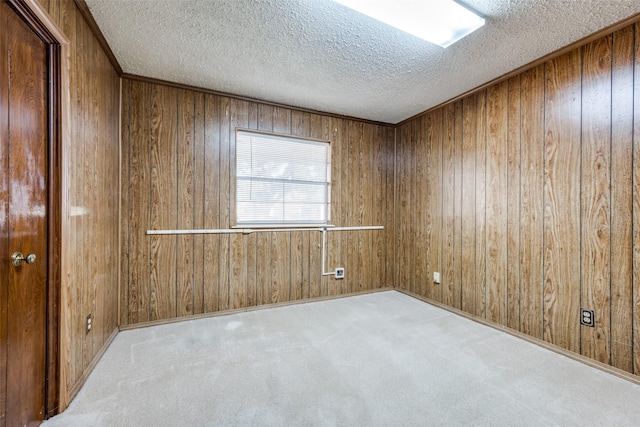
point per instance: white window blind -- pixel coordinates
(281, 180)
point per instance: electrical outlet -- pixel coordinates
(587, 317)
(436, 277)
(340, 273)
(89, 323)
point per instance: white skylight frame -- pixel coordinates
(442, 22)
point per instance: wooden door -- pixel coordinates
(23, 220)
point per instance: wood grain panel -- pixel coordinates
(199, 156)
(420, 188)
(379, 208)
(184, 265)
(211, 201)
(457, 206)
(531, 202)
(124, 202)
(434, 201)
(224, 198)
(139, 184)
(596, 197)
(468, 208)
(622, 199)
(448, 198)
(562, 195)
(496, 199)
(481, 217)
(513, 203)
(316, 131)
(636, 206)
(163, 202)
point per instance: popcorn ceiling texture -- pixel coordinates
(320, 55)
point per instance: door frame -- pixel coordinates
(57, 203)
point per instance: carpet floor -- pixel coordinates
(381, 359)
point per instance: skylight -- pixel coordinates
(442, 22)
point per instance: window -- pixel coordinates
(282, 180)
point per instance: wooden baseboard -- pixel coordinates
(246, 309)
(551, 347)
(78, 385)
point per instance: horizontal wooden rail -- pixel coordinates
(260, 230)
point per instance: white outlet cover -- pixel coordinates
(436, 277)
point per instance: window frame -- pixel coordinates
(293, 225)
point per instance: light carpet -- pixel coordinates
(381, 359)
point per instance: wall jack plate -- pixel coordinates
(89, 323)
(340, 273)
(587, 317)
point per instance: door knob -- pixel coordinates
(17, 258)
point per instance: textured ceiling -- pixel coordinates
(319, 55)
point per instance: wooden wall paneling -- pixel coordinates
(199, 158)
(457, 206)
(326, 135)
(76, 199)
(531, 206)
(513, 203)
(390, 224)
(480, 297)
(299, 239)
(163, 201)
(345, 196)
(239, 247)
(379, 207)
(420, 189)
(224, 258)
(355, 207)
(334, 247)
(496, 194)
(468, 208)
(125, 121)
(562, 195)
(281, 242)
(365, 215)
(404, 217)
(315, 238)
(636, 206)
(211, 201)
(88, 189)
(434, 134)
(622, 200)
(252, 239)
(265, 123)
(596, 197)
(448, 199)
(139, 213)
(185, 145)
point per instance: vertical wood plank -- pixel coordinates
(562, 185)
(390, 220)
(421, 245)
(513, 204)
(198, 202)
(343, 219)
(596, 197)
(315, 268)
(457, 206)
(468, 208)
(496, 193)
(405, 239)
(379, 206)
(435, 209)
(186, 203)
(448, 200)
(636, 206)
(334, 247)
(532, 199)
(622, 200)
(224, 256)
(163, 201)
(124, 203)
(299, 239)
(139, 202)
(211, 201)
(365, 216)
(481, 219)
